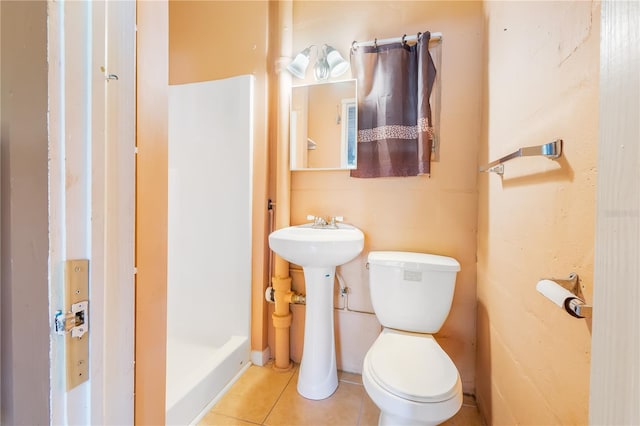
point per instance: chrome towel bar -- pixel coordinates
(552, 150)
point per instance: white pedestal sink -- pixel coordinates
(318, 250)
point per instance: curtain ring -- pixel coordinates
(375, 43)
(404, 41)
(353, 45)
(418, 36)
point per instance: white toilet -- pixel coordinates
(405, 372)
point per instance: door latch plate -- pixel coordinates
(73, 322)
(76, 321)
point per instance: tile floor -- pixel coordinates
(262, 396)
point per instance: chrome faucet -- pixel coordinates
(318, 221)
(321, 222)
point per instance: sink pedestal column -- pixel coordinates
(318, 377)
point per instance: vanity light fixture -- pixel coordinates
(329, 62)
(337, 63)
(298, 66)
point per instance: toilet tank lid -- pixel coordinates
(414, 261)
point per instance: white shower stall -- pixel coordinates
(209, 241)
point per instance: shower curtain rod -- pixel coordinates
(434, 37)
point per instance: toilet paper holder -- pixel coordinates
(573, 303)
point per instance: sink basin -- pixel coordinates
(305, 245)
(318, 251)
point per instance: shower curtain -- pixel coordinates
(395, 130)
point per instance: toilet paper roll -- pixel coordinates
(554, 292)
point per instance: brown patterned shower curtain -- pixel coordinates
(395, 131)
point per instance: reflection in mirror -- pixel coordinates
(323, 126)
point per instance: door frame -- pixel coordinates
(615, 345)
(91, 88)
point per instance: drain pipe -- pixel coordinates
(281, 281)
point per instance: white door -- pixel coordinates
(615, 361)
(91, 177)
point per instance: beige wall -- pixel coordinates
(151, 212)
(538, 220)
(436, 214)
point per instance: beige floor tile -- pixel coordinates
(264, 396)
(254, 394)
(215, 419)
(467, 416)
(369, 412)
(342, 408)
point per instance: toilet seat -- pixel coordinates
(413, 367)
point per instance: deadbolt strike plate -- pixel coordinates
(76, 321)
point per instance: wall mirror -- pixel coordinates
(323, 126)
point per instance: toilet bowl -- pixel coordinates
(411, 379)
(405, 372)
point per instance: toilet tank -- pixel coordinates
(411, 291)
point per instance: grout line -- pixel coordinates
(231, 417)
(293, 373)
(351, 382)
(345, 378)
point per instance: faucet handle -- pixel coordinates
(336, 219)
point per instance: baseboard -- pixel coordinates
(261, 357)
